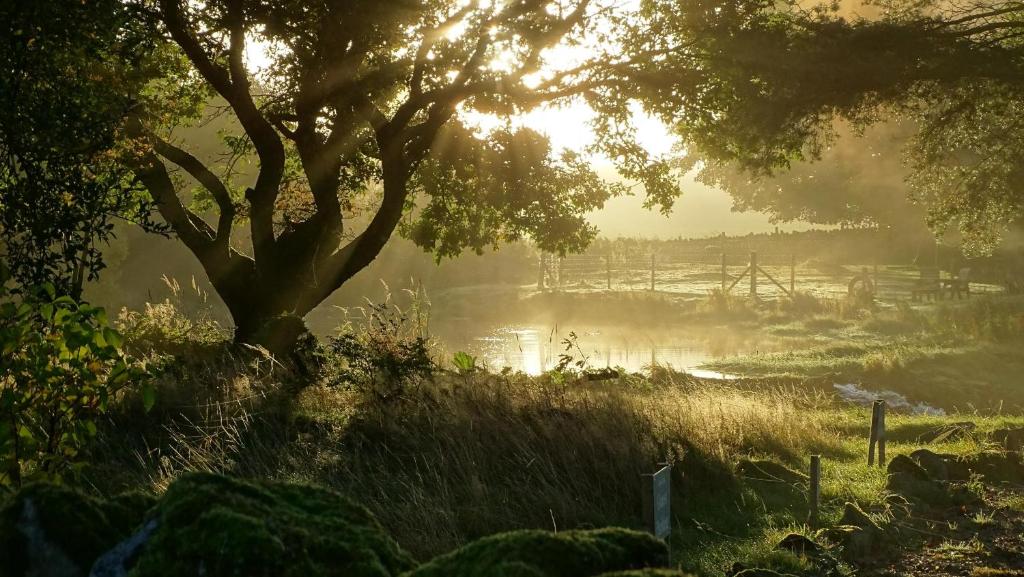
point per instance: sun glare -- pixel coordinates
(567, 124)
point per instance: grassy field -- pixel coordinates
(447, 458)
(962, 355)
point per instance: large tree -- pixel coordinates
(361, 106)
(760, 84)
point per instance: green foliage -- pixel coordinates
(223, 527)
(464, 362)
(72, 71)
(760, 84)
(382, 353)
(860, 179)
(61, 366)
(544, 554)
(499, 190)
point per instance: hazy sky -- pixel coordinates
(700, 212)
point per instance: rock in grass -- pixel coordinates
(997, 466)
(544, 554)
(941, 465)
(53, 531)
(799, 545)
(911, 480)
(217, 527)
(948, 432)
(1010, 439)
(769, 471)
(647, 573)
(760, 573)
(858, 533)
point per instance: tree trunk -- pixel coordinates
(268, 300)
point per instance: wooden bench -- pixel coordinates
(960, 284)
(928, 285)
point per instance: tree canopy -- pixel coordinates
(359, 115)
(760, 84)
(858, 180)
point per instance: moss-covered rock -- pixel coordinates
(217, 526)
(805, 548)
(911, 480)
(760, 573)
(1010, 439)
(52, 530)
(942, 466)
(997, 466)
(859, 534)
(127, 510)
(545, 554)
(647, 573)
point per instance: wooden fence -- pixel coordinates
(757, 274)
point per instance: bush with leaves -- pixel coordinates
(61, 366)
(381, 353)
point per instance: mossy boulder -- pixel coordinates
(647, 573)
(805, 548)
(760, 573)
(859, 534)
(997, 466)
(544, 554)
(911, 480)
(217, 526)
(1010, 439)
(941, 465)
(53, 530)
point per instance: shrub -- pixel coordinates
(61, 365)
(381, 353)
(163, 328)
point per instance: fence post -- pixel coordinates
(608, 270)
(873, 434)
(877, 434)
(753, 274)
(881, 433)
(542, 271)
(725, 276)
(875, 279)
(561, 271)
(814, 495)
(792, 275)
(652, 272)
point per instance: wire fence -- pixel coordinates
(768, 275)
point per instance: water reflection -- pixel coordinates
(536, 348)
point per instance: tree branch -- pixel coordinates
(234, 87)
(205, 177)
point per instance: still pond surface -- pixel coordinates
(535, 348)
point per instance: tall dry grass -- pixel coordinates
(460, 457)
